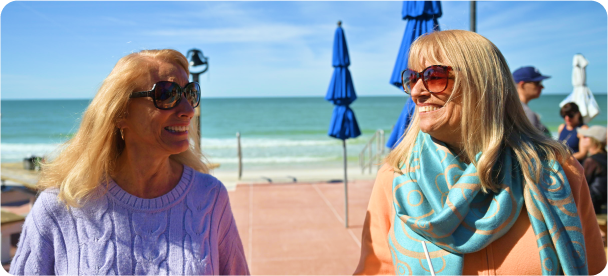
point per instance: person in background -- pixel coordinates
(129, 194)
(528, 81)
(593, 141)
(454, 186)
(567, 132)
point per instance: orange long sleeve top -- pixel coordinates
(515, 253)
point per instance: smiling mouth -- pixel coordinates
(177, 129)
(428, 108)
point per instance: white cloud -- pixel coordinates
(265, 33)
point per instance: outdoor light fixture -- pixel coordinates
(197, 60)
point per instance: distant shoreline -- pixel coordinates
(275, 97)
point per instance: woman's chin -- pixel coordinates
(428, 129)
(179, 147)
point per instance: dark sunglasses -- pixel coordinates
(168, 94)
(435, 78)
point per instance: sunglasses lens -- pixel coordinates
(193, 93)
(167, 94)
(436, 78)
(409, 79)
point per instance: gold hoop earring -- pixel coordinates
(122, 135)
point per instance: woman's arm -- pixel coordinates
(582, 149)
(375, 253)
(231, 253)
(596, 256)
(559, 129)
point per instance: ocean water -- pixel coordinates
(283, 132)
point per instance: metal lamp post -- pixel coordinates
(473, 14)
(197, 61)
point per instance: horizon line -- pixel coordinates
(264, 97)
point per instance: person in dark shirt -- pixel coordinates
(593, 140)
(567, 132)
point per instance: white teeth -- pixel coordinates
(177, 128)
(427, 108)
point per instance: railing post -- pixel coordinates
(380, 148)
(239, 154)
(368, 150)
(371, 160)
(361, 162)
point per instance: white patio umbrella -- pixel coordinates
(581, 95)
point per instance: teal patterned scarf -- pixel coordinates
(439, 200)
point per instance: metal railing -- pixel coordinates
(239, 154)
(368, 157)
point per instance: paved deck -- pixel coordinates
(298, 228)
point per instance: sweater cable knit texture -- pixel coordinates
(188, 231)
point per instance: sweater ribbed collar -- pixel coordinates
(153, 204)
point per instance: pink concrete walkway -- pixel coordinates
(298, 228)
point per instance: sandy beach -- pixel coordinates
(284, 175)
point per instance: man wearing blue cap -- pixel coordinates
(528, 81)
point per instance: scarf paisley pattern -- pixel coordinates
(438, 200)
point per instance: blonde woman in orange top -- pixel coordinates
(473, 183)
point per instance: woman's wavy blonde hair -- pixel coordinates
(87, 160)
(492, 115)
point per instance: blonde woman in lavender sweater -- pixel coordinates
(129, 194)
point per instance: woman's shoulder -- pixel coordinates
(571, 165)
(386, 172)
(48, 203)
(384, 178)
(206, 183)
(46, 211)
(574, 172)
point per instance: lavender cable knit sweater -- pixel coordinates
(188, 231)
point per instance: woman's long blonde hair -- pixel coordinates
(88, 159)
(492, 114)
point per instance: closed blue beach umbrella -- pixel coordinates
(341, 93)
(421, 18)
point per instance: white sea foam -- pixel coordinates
(255, 150)
(227, 143)
(270, 160)
(17, 151)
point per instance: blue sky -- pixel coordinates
(57, 50)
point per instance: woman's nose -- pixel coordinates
(184, 108)
(418, 90)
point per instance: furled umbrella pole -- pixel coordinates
(341, 93)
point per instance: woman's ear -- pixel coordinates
(120, 123)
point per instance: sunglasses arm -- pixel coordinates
(141, 94)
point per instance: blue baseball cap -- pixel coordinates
(528, 73)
